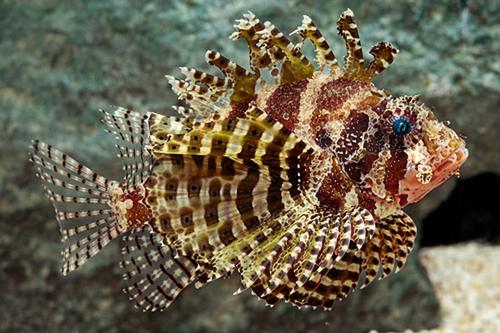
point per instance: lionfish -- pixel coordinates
(292, 175)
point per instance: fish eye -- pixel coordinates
(401, 126)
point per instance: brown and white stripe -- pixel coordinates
(154, 275)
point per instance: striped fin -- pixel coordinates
(390, 243)
(324, 54)
(383, 53)
(309, 260)
(206, 94)
(321, 290)
(335, 276)
(344, 236)
(335, 284)
(243, 80)
(327, 256)
(262, 257)
(249, 28)
(260, 249)
(292, 252)
(215, 85)
(358, 229)
(217, 189)
(371, 259)
(257, 138)
(404, 233)
(369, 222)
(353, 60)
(250, 254)
(296, 66)
(390, 247)
(296, 266)
(131, 131)
(154, 276)
(387, 249)
(81, 200)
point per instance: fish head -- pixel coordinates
(398, 151)
(435, 152)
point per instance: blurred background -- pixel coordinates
(60, 61)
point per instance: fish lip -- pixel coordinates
(459, 155)
(442, 171)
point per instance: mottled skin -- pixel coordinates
(352, 120)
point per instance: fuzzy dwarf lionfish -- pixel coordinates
(290, 174)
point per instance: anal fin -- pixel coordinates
(154, 276)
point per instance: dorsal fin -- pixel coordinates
(354, 68)
(324, 54)
(243, 81)
(208, 96)
(131, 131)
(249, 28)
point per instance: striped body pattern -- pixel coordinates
(291, 174)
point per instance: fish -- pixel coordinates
(292, 174)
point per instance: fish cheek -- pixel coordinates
(395, 170)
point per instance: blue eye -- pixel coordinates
(401, 126)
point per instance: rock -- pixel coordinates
(465, 279)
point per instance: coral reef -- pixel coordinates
(61, 61)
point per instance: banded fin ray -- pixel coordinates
(342, 276)
(323, 244)
(131, 132)
(383, 53)
(154, 276)
(223, 180)
(207, 95)
(266, 255)
(334, 284)
(81, 200)
(257, 138)
(324, 55)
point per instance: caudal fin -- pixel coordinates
(81, 200)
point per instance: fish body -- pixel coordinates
(296, 182)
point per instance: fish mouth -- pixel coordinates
(415, 189)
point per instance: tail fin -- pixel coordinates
(81, 201)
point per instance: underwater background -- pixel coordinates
(60, 61)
